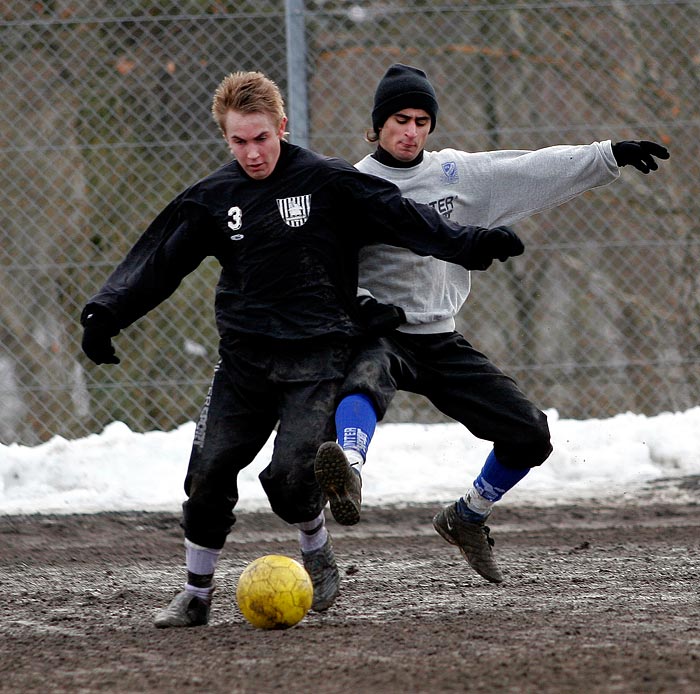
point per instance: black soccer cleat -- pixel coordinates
(473, 540)
(184, 610)
(339, 482)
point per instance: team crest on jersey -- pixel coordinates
(295, 211)
(449, 172)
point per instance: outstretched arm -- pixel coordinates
(392, 219)
(167, 251)
(509, 185)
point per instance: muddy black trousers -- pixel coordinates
(256, 387)
(464, 385)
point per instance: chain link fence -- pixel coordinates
(105, 118)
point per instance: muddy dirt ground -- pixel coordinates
(597, 599)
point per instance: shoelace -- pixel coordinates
(487, 533)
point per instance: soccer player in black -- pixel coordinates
(286, 225)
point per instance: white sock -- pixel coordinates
(477, 503)
(200, 560)
(355, 459)
(201, 593)
(313, 533)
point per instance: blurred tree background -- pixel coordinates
(105, 117)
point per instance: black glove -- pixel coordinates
(378, 318)
(98, 331)
(499, 242)
(640, 154)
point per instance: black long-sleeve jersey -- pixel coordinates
(288, 246)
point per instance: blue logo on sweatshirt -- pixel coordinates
(449, 172)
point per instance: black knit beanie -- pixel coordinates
(403, 86)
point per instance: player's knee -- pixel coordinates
(528, 450)
(293, 492)
(537, 454)
(295, 507)
(524, 455)
(371, 377)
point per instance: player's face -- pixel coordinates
(254, 140)
(404, 133)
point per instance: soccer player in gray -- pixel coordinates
(420, 296)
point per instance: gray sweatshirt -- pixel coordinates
(486, 189)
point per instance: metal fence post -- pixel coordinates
(297, 99)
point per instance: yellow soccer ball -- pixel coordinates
(274, 592)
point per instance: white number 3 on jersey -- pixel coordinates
(236, 218)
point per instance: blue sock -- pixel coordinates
(495, 480)
(492, 483)
(355, 422)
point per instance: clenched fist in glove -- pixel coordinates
(98, 331)
(500, 242)
(377, 318)
(640, 154)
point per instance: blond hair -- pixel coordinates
(247, 92)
